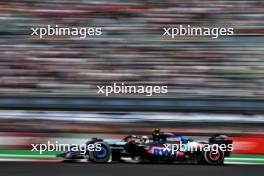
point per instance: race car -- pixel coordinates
(160, 148)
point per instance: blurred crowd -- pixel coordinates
(127, 122)
(132, 49)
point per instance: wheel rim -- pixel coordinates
(214, 155)
(100, 154)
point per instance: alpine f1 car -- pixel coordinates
(160, 148)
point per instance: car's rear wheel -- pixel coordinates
(214, 157)
(101, 156)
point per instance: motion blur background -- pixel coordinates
(48, 87)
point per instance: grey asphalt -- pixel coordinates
(88, 169)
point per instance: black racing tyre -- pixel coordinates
(214, 157)
(102, 156)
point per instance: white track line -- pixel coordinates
(27, 156)
(246, 159)
(55, 160)
(29, 160)
(244, 163)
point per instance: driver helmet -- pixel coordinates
(156, 134)
(145, 139)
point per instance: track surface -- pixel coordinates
(88, 169)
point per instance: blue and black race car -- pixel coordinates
(160, 148)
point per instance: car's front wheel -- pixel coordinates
(103, 155)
